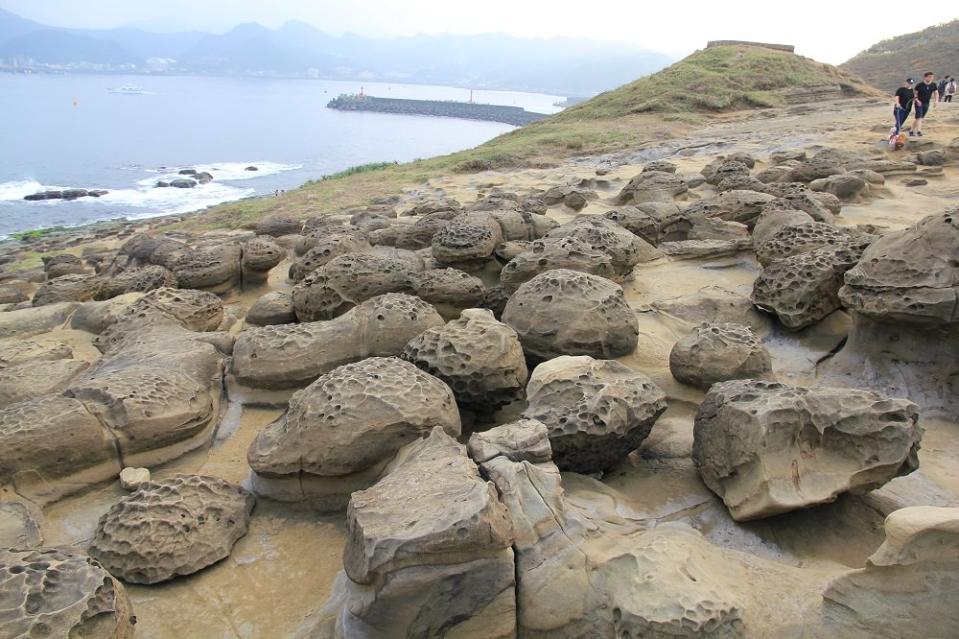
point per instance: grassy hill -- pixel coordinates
(708, 83)
(886, 64)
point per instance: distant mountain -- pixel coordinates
(886, 64)
(558, 65)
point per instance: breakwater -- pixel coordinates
(516, 116)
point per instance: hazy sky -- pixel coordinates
(828, 30)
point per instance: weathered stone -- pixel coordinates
(172, 527)
(61, 592)
(479, 358)
(260, 254)
(449, 290)
(132, 478)
(625, 249)
(215, 267)
(35, 379)
(794, 239)
(562, 312)
(67, 288)
(733, 206)
(136, 280)
(326, 245)
(571, 253)
(653, 186)
(276, 307)
(596, 411)
(767, 448)
(717, 353)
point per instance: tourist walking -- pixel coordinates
(904, 98)
(951, 87)
(927, 95)
(942, 87)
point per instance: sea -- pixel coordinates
(71, 131)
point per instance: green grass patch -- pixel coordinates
(36, 234)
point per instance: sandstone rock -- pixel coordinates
(522, 225)
(67, 288)
(19, 527)
(771, 221)
(717, 353)
(276, 307)
(172, 527)
(721, 169)
(132, 478)
(259, 255)
(934, 157)
(803, 289)
(702, 249)
(215, 267)
(713, 304)
(733, 206)
(625, 249)
(523, 440)
(14, 292)
(351, 420)
(636, 221)
(768, 448)
(479, 358)
(427, 563)
(562, 312)
(347, 281)
(654, 186)
(910, 582)
(465, 242)
(794, 239)
(192, 310)
(61, 592)
(571, 253)
(136, 280)
(35, 379)
(278, 225)
(845, 186)
(449, 290)
(323, 247)
(793, 197)
(293, 355)
(55, 266)
(596, 411)
(52, 447)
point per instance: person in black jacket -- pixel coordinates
(904, 97)
(927, 95)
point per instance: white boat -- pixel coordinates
(128, 89)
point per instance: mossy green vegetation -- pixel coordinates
(36, 234)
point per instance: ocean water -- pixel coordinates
(69, 131)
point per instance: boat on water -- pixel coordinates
(128, 89)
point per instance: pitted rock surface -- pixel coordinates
(466, 241)
(636, 221)
(325, 246)
(773, 220)
(55, 266)
(479, 358)
(571, 253)
(67, 288)
(449, 290)
(136, 280)
(717, 353)
(172, 527)
(794, 239)
(293, 355)
(596, 411)
(652, 186)
(767, 448)
(563, 312)
(276, 307)
(211, 266)
(803, 289)
(625, 249)
(260, 254)
(354, 417)
(61, 592)
(347, 281)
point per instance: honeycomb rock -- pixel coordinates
(478, 357)
(571, 253)
(353, 418)
(563, 312)
(35, 379)
(803, 289)
(325, 246)
(172, 527)
(136, 280)
(794, 239)
(596, 411)
(625, 249)
(346, 281)
(61, 592)
(147, 408)
(53, 446)
(796, 197)
(55, 266)
(276, 307)
(293, 355)
(733, 206)
(215, 267)
(192, 310)
(67, 288)
(652, 186)
(637, 221)
(14, 291)
(845, 186)
(279, 225)
(522, 225)
(724, 169)
(449, 290)
(771, 221)
(768, 448)
(719, 352)
(523, 440)
(466, 241)
(260, 254)
(427, 553)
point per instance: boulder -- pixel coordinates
(466, 241)
(571, 253)
(425, 562)
(479, 358)
(448, 290)
(771, 221)
(132, 478)
(653, 186)
(136, 280)
(625, 249)
(276, 307)
(14, 291)
(563, 312)
(804, 237)
(718, 353)
(733, 206)
(172, 527)
(712, 304)
(63, 264)
(767, 448)
(346, 281)
(341, 430)
(596, 411)
(214, 267)
(61, 592)
(259, 255)
(637, 221)
(279, 225)
(845, 186)
(910, 583)
(519, 441)
(324, 246)
(35, 379)
(803, 289)
(31, 321)
(53, 446)
(293, 355)
(67, 288)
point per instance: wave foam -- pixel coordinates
(223, 171)
(18, 190)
